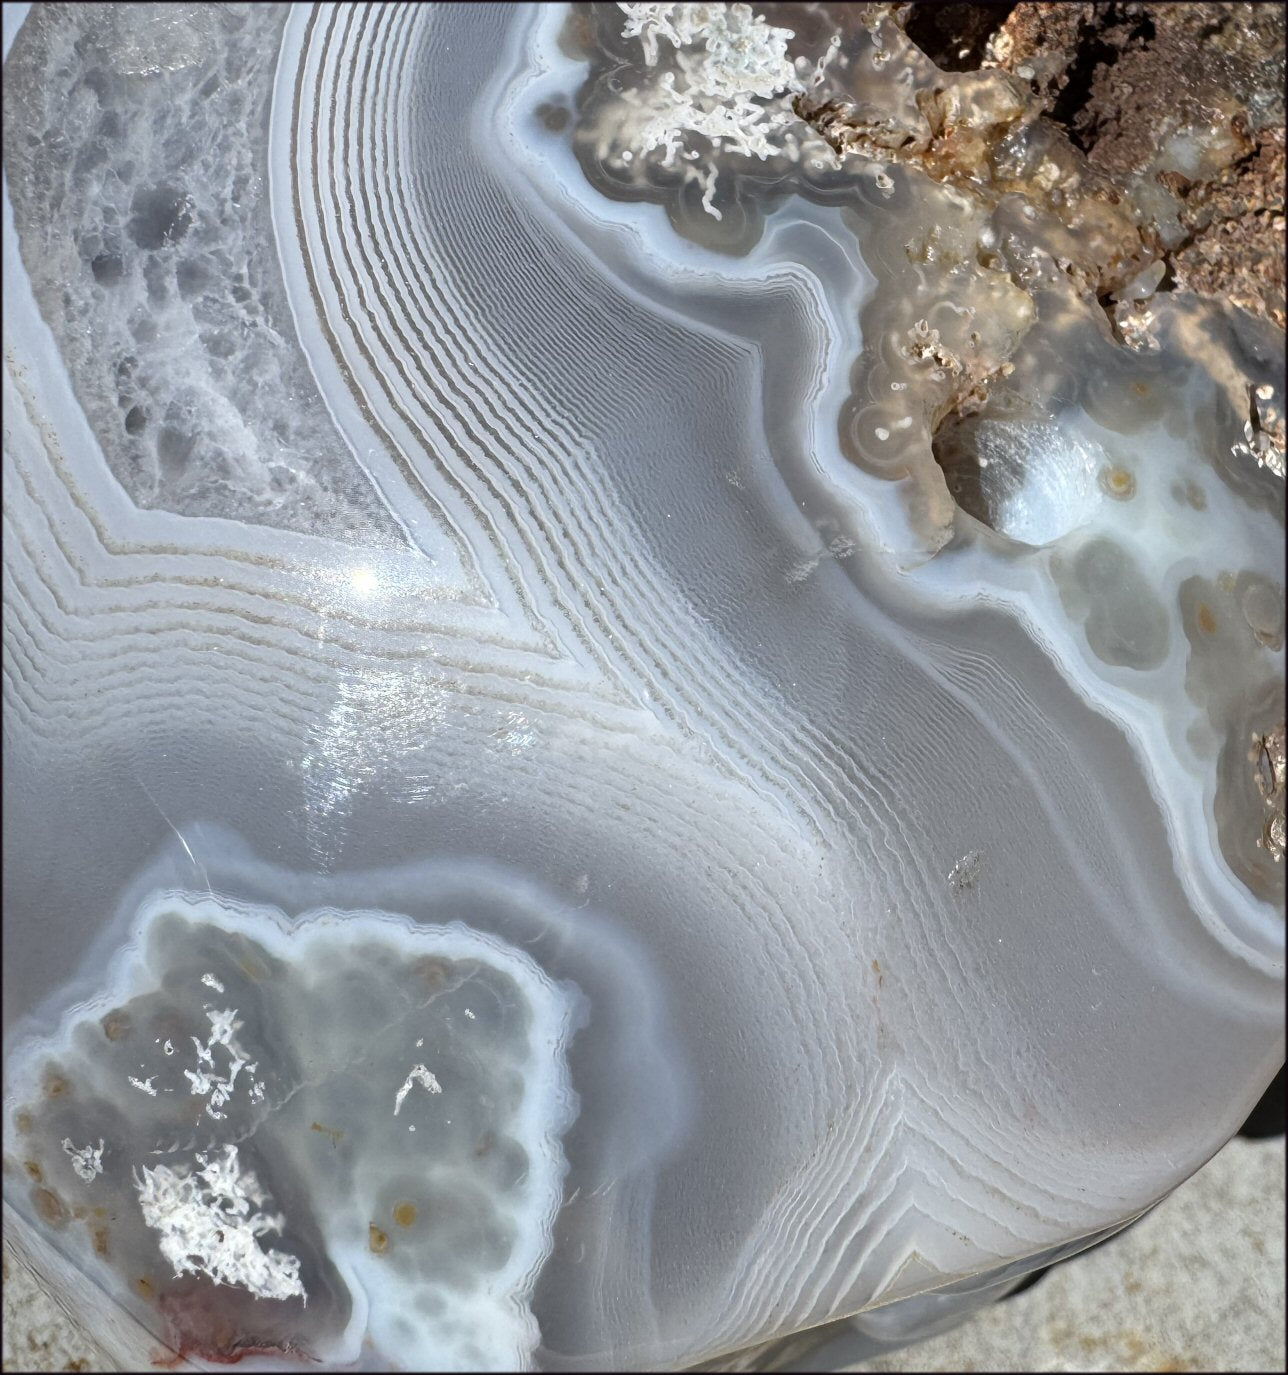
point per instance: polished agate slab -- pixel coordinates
(545, 825)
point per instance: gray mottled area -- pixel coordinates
(146, 231)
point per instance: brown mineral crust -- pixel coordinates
(1123, 71)
(956, 36)
(1089, 113)
(1042, 39)
(981, 131)
(1179, 64)
(1271, 765)
(1122, 78)
(1235, 226)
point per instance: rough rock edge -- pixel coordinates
(1111, 82)
(1271, 765)
(1112, 73)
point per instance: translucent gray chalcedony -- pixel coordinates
(513, 853)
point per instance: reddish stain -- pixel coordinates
(203, 1327)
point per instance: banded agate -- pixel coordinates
(558, 815)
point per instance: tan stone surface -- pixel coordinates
(1197, 1285)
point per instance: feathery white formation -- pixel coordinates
(419, 1075)
(205, 1080)
(87, 1161)
(729, 81)
(206, 1214)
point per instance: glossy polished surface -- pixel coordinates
(531, 837)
